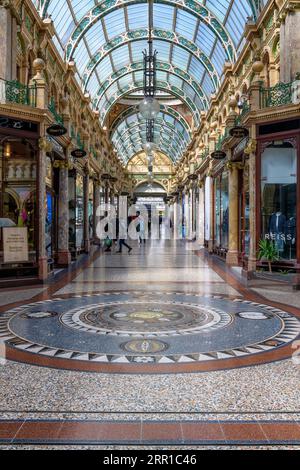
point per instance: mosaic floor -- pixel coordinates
(162, 330)
(130, 328)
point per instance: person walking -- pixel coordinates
(122, 228)
(141, 228)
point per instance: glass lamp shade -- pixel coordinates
(149, 108)
(148, 147)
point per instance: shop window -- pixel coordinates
(222, 211)
(279, 197)
(91, 208)
(18, 189)
(79, 213)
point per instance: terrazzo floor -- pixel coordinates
(265, 390)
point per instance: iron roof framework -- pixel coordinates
(193, 39)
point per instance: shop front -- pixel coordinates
(279, 193)
(76, 213)
(18, 198)
(54, 160)
(221, 215)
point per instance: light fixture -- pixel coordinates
(149, 108)
(149, 147)
(7, 150)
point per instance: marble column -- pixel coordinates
(8, 44)
(176, 216)
(200, 216)
(252, 215)
(233, 248)
(63, 254)
(86, 230)
(290, 46)
(42, 208)
(211, 241)
(95, 208)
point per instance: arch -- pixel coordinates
(163, 86)
(266, 62)
(198, 10)
(137, 147)
(164, 109)
(162, 146)
(135, 137)
(140, 124)
(144, 182)
(143, 34)
(129, 135)
(160, 66)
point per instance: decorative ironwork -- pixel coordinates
(142, 34)
(52, 108)
(150, 130)
(200, 11)
(79, 142)
(15, 92)
(278, 95)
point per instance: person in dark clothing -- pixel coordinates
(121, 230)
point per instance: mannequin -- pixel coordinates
(277, 226)
(291, 231)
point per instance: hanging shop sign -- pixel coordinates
(15, 244)
(78, 153)
(239, 132)
(16, 124)
(218, 155)
(56, 130)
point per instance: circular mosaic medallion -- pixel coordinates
(201, 331)
(146, 346)
(132, 317)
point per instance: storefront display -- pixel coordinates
(279, 197)
(221, 211)
(18, 163)
(91, 207)
(244, 213)
(207, 211)
(79, 218)
(72, 212)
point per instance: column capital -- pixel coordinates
(251, 147)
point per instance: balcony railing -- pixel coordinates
(52, 108)
(278, 95)
(12, 91)
(221, 140)
(79, 142)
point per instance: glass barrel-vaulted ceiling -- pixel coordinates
(193, 38)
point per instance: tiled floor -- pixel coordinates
(221, 355)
